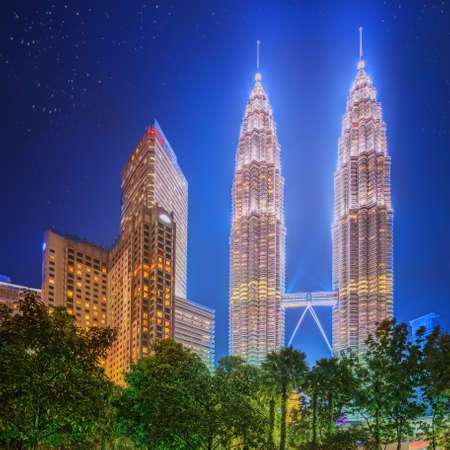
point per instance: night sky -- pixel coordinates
(79, 83)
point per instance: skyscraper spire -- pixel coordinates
(257, 241)
(361, 61)
(258, 42)
(363, 215)
(258, 74)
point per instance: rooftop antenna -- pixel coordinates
(258, 75)
(361, 61)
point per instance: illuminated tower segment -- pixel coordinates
(257, 243)
(362, 229)
(152, 176)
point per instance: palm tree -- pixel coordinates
(285, 370)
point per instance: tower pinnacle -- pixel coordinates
(361, 62)
(258, 74)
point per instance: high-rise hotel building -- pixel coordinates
(142, 285)
(152, 176)
(257, 241)
(75, 275)
(132, 286)
(362, 228)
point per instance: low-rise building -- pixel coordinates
(195, 329)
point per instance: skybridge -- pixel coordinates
(309, 300)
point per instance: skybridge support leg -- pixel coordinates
(316, 319)
(298, 325)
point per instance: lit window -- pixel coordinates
(159, 314)
(52, 257)
(70, 269)
(69, 293)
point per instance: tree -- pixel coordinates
(389, 376)
(329, 386)
(52, 388)
(236, 386)
(286, 371)
(167, 403)
(435, 385)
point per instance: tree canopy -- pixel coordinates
(54, 393)
(52, 386)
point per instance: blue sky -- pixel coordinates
(79, 83)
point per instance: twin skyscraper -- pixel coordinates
(361, 294)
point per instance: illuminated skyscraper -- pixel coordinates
(257, 242)
(132, 286)
(362, 228)
(141, 288)
(152, 177)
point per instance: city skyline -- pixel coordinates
(408, 77)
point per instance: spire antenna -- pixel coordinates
(258, 75)
(258, 42)
(361, 61)
(360, 43)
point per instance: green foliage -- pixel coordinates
(436, 386)
(167, 403)
(283, 371)
(240, 419)
(52, 388)
(53, 392)
(330, 386)
(388, 380)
